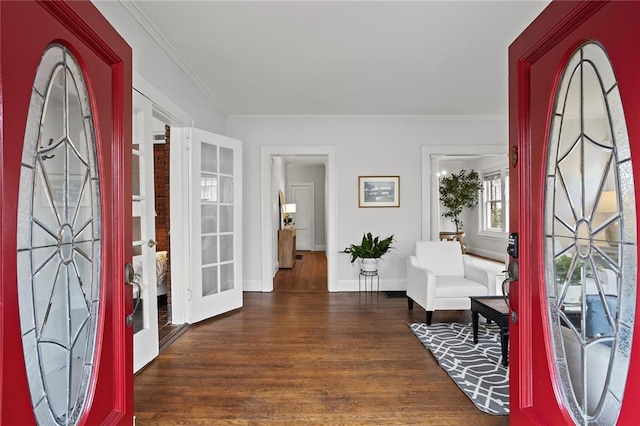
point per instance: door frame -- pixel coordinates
(430, 159)
(266, 204)
(312, 226)
(178, 193)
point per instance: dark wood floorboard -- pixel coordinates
(309, 273)
(296, 357)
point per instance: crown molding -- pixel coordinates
(164, 44)
(372, 116)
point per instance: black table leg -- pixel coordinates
(504, 337)
(474, 321)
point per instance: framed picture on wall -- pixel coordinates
(378, 191)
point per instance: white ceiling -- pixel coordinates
(347, 58)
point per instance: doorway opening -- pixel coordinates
(274, 161)
(303, 182)
(168, 331)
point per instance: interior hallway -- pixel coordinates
(294, 357)
(309, 274)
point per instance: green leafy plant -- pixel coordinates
(369, 247)
(457, 191)
(563, 264)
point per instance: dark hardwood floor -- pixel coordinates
(308, 274)
(301, 355)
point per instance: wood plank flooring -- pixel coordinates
(302, 356)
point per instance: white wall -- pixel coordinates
(316, 175)
(493, 245)
(153, 64)
(365, 146)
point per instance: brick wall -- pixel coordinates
(161, 181)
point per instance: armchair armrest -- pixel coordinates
(483, 276)
(421, 282)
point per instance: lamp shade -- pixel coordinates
(289, 208)
(608, 202)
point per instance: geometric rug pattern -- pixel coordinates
(476, 368)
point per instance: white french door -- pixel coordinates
(145, 319)
(216, 226)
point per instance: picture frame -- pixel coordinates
(378, 191)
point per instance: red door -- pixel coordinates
(574, 133)
(65, 186)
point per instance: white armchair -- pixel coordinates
(439, 277)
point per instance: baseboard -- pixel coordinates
(492, 255)
(319, 248)
(252, 285)
(389, 284)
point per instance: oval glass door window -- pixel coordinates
(590, 238)
(59, 240)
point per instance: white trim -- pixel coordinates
(266, 152)
(252, 285)
(378, 116)
(180, 221)
(431, 154)
(495, 235)
(178, 189)
(147, 25)
(161, 102)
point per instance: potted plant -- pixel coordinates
(369, 251)
(457, 191)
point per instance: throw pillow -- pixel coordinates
(597, 323)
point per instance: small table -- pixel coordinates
(493, 308)
(454, 236)
(368, 276)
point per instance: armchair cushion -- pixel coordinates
(459, 287)
(441, 257)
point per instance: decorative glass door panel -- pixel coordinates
(59, 240)
(590, 232)
(217, 194)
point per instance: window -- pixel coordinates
(495, 190)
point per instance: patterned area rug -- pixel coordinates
(476, 369)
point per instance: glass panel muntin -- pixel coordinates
(59, 240)
(589, 200)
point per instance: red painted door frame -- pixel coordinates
(26, 28)
(536, 61)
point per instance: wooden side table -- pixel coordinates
(455, 236)
(495, 309)
(287, 248)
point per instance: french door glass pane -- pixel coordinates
(209, 280)
(209, 218)
(209, 158)
(217, 223)
(209, 250)
(226, 161)
(226, 277)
